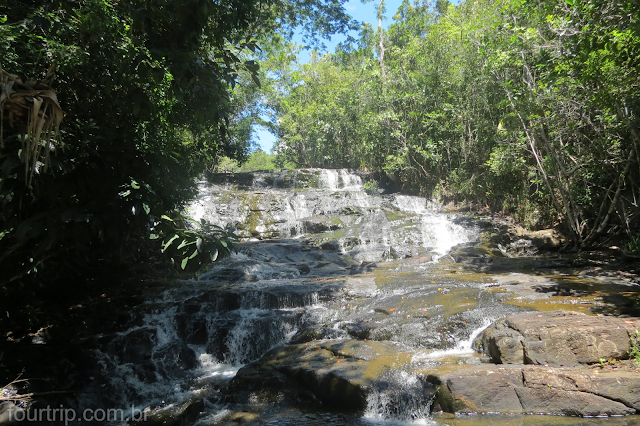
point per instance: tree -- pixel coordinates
(147, 91)
(530, 108)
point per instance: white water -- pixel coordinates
(340, 179)
(273, 212)
(463, 347)
(399, 396)
(263, 309)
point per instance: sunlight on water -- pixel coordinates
(340, 179)
(463, 347)
(400, 396)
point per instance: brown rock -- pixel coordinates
(559, 402)
(557, 338)
(577, 391)
(486, 389)
(617, 385)
(337, 373)
(504, 345)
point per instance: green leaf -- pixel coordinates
(146, 208)
(168, 243)
(184, 243)
(184, 262)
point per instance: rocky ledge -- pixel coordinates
(559, 363)
(333, 373)
(529, 389)
(559, 338)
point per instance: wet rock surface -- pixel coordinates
(337, 374)
(581, 368)
(358, 311)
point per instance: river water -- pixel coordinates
(324, 261)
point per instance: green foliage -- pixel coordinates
(371, 186)
(227, 165)
(154, 93)
(633, 246)
(528, 107)
(147, 102)
(258, 160)
(634, 352)
(191, 244)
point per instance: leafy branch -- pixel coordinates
(190, 243)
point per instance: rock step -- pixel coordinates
(559, 338)
(578, 391)
(338, 374)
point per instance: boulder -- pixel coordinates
(175, 358)
(317, 332)
(557, 338)
(321, 223)
(558, 402)
(484, 390)
(330, 245)
(136, 346)
(614, 384)
(338, 374)
(503, 345)
(174, 414)
(529, 389)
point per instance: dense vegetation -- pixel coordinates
(257, 160)
(530, 107)
(152, 94)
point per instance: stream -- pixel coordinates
(388, 285)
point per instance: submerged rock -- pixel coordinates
(311, 333)
(174, 415)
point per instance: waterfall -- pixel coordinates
(332, 202)
(189, 340)
(399, 395)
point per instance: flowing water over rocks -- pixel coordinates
(348, 307)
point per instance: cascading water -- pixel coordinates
(334, 205)
(189, 341)
(341, 306)
(399, 395)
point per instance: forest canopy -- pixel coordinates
(151, 95)
(529, 107)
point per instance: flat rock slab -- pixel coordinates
(361, 286)
(525, 285)
(580, 391)
(559, 338)
(337, 373)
